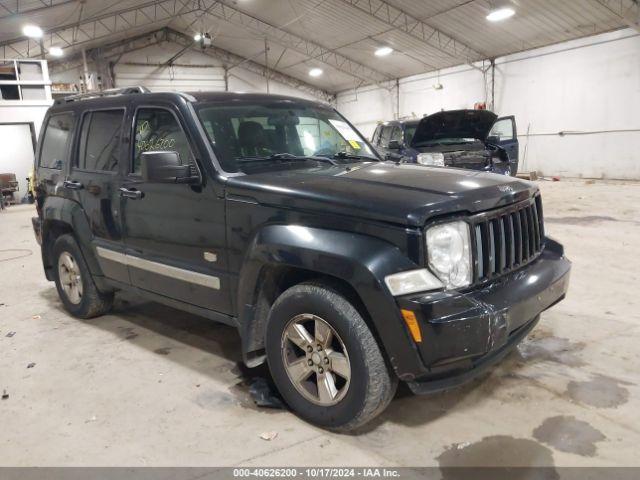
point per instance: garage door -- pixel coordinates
(16, 153)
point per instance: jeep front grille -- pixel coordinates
(506, 239)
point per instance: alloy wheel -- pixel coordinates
(316, 359)
(70, 279)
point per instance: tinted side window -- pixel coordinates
(100, 140)
(156, 130)
(396, 134)
(375, 139)
(503, 129)
(409, 131)
(56, 141)
(386, 136)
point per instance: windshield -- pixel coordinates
(250, 137)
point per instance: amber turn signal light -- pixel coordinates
(412, 322)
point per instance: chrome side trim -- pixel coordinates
(112, 255)
(160, 268)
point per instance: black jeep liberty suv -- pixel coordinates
(345, 272)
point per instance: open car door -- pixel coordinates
(504, 133)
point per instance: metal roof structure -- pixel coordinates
(337, 36)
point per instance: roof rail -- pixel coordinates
(104, 93)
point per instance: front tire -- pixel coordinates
(324, 359)
(76, 287)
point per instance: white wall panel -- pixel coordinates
(241, 80)
(17, 154)
(365, 108)
(192, 72)
(590, 86)
(171, 78)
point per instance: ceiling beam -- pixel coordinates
(405, 23)
(157, 11)
(96, 28)
(626, 10)
(223, 11)
(18, 7)
(109, 51)
(231, 60)
(115, 50)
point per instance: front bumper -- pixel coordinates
(465, 332)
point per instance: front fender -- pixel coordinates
(361, 261)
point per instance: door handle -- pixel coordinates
(71, 185)
(133, 194)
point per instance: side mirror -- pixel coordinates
(165, 167)
(394, 145)
(493, 139)
(394, 157)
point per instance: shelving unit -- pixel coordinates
(24, 81)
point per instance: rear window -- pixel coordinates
(55, 144)
(100, 140)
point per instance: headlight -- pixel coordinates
(433, 159)
(449, 254)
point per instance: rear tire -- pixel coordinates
(345, 379)
(74, 282)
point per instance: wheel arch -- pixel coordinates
(62, 216)
(352, 264)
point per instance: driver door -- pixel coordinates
(174, 233)
(504, 133)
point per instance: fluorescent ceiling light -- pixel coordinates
(32, 31)
(500, 14)
(383, 51)
(197, 37)
(56, 51)
(315, 72)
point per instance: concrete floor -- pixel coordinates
(148, 385)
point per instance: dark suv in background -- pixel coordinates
(394, 138)
(473, 139)
(273, 214)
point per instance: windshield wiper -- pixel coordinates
(343, 155)
(285, 157)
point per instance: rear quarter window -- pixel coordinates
(55, 143)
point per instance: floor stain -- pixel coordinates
(163, 351)
(601, 392)
(212, 399)
(127, 333)
(239, 394)
(498, 451)
(568, 434)
(551, 349)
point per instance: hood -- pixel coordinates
(454, 124)
(405, 194)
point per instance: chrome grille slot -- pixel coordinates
(507, 238)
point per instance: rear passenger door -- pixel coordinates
(174, 233)
(93, 181)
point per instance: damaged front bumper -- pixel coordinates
(464, 333)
